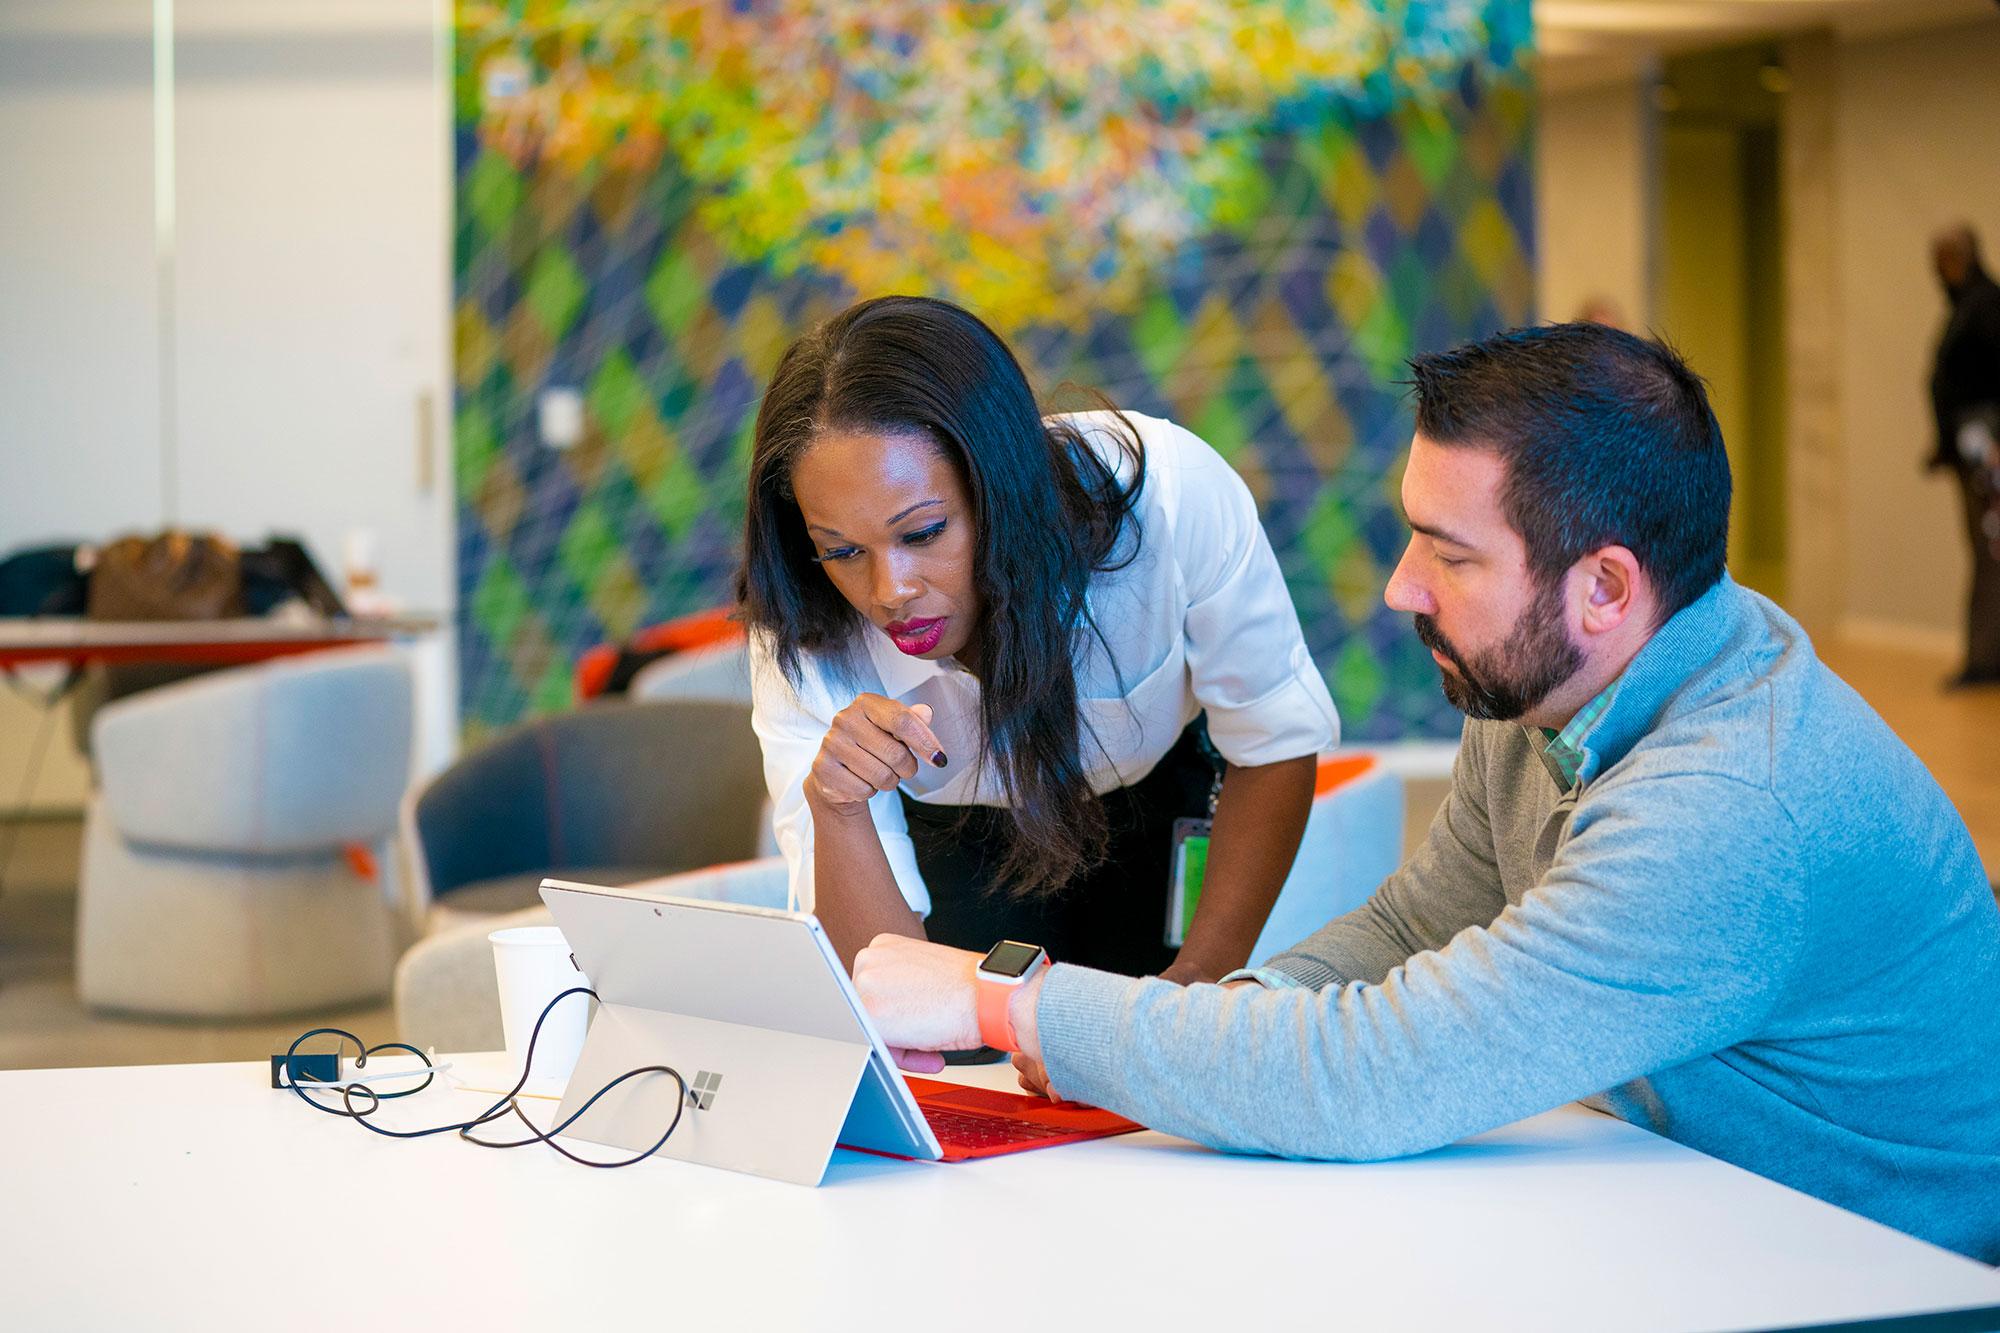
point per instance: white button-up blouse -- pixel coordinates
(1200, 619)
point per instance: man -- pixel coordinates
(1683, 870)
(1965, 398)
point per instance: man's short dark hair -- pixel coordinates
(1608, 440)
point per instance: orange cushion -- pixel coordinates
(699, 630)
(1336, 770)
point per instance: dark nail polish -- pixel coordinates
(939, 759)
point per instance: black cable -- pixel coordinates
(508, 1101)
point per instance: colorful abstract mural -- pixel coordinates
(1241, 214)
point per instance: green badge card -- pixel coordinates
(1186, 870)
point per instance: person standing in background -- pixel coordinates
(1965, 397)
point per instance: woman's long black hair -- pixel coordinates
(1050, 513)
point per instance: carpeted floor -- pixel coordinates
(44, 1026)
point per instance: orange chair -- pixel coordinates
(595, 668)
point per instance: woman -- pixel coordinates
(984, 645)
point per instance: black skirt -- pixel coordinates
(1113, 918)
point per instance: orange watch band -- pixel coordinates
(995, 1028)
(1014, 964)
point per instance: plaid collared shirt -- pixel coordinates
(1563, 751)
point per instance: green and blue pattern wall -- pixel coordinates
(1240, 214)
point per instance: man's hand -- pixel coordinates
(922, 996)
(871, 745)
(1034, 1078)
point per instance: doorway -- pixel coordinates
(1720, 285)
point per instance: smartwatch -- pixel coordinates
(1005, 969)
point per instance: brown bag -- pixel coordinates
(174, 576)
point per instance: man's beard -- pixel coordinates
(1504, 682)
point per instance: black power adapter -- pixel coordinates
(315, 1068)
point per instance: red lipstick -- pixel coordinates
(916, 637)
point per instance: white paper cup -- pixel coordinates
(533, 966)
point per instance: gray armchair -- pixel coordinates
(613, 793)
(719, 671)
(237, 857)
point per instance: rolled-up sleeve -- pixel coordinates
(790, 728)
(1247, 658)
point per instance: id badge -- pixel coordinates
(1185, 871)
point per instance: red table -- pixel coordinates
(77, 641)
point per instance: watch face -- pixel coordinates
(1010, 958)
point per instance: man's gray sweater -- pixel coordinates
(1754, 925)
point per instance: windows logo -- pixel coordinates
(702, 1095)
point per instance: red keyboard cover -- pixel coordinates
(983, 1122)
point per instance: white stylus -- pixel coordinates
(369, 1079)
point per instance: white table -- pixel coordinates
(194, 1196)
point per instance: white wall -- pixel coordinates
(79, 396)
(79, 423)
(311, 294)
(1918, 135)
(1594, 205)
(312, 278)
(315, 281)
